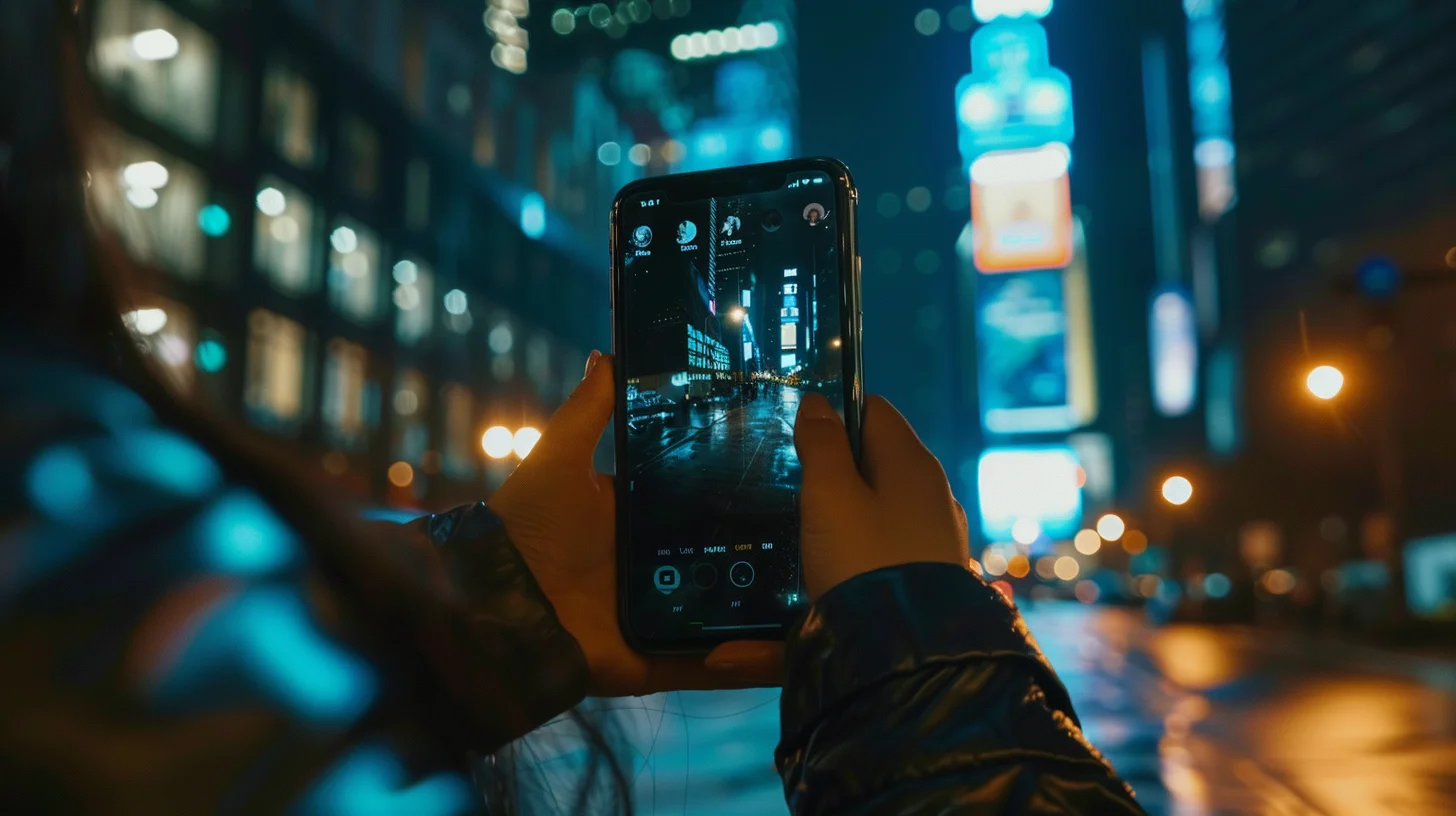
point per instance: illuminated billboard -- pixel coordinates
(1430, 569)
(1021, 209)
(1174, 342)
(1021, 336)
(1036, 364)
(1012, 98)
(1029, 484)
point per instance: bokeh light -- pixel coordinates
(401, 474)
(1111, 527)
(497, 442)
(1087, 542)
(1278, 582)
(1018, 566)
(1325, 382)
(524, 441)
(1087, 592)
(1067, 568)
(1135, 542)
(1217, 585)
(1177, 490)
(1046, 567)
(994, 563)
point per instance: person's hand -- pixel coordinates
(895, 508)
(561, 514)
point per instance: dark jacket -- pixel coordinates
(172, 644)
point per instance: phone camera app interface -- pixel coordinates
(726, 328)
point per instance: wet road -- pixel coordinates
(738, 460)
(1203, 721)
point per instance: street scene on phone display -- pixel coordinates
(730, 313)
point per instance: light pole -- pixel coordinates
(1325, 382)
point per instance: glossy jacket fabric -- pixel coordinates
(170, 644)
(919, 690)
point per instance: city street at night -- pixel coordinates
(1164, 292)
(1199, 720)
(734, 459)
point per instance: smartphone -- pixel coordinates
(734, 293)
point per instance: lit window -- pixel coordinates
(166, 332)
(360, 158)
(791, 288)
(791, 273)
(414, 297)
(460, 437)
(345, 414)
(283, 248)
(354, 270)
(276, 368)
(160, 64)
(290, 116)
(152, 200)
(747, 298)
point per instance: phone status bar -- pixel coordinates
(807, 181)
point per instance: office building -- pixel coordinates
(378, 224)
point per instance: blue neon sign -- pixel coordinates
(1012, 98)
(988, 10)
(1174, 343)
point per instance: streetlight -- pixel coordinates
(736, 314)
(1177, 490)
(1325, 382)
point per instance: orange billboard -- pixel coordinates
(1021, 210)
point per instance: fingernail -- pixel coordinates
(591, 363)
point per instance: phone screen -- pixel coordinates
(729, 312)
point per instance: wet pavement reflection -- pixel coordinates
(1201, 720)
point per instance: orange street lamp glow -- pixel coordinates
(1325, 382)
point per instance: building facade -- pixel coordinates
(377, 225)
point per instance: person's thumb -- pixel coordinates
(832, 491)
(576, 427)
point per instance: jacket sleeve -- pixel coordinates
(172, 644)
(918, 689)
